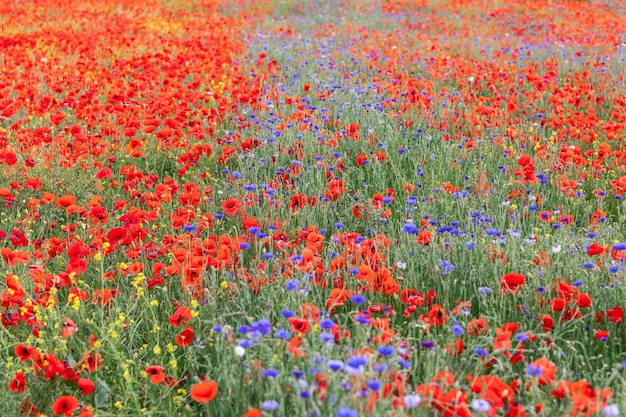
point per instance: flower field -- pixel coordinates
(338, 208)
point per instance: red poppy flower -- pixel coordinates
(511, 282)
(558, 304)
(65, 404)
(24, 352)
(86, 386)
(424, 237)
(595, 249)
(601, 334)
(616, 314)
(297, 202)
(180, 316)
(231, 206)
(185, 338)
(546, 321)
(254, 412)
(299, 325)
(66, 200)
(69, 328)
(18, 384)
(583, 300)
(156, 374)
(204, 391)
(548, 370)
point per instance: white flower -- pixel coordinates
(240, 351)
(556, 248)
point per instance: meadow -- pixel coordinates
(338, 208)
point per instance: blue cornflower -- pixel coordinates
(373, 384)
(480, 405)
(412, 400)
(335, 365)
(287, 313)
(358, 299)
(270, 373)
(534, 370)
(270, 405)
(246, 343)
(327, 324)
(292, 285)
(327, 338)
(521, 337)
(282, 334)
(346, 412)
(263, 326)
(385, 350)
(481, 352)
(244, 329)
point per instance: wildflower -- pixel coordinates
(481, 352)
(511, 282)
(65, 404)
(543, 369)
(458, 330)
(86, 386)
(240, 351)
(270, 405)
(610, 410)
(385, 350)
(292, 285)
(24, 352)
(412, 400)
(346, 412)
(358, 299)
(534, 370)
(335, 365)
(327, 324)
(327, 339)
(263, 326)
(373, 384)
(156, 374)
(480, 405)
(231, 206)
(204, 391)
(185, 338)
(18, 383)
(270, 373)
(282, 334)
